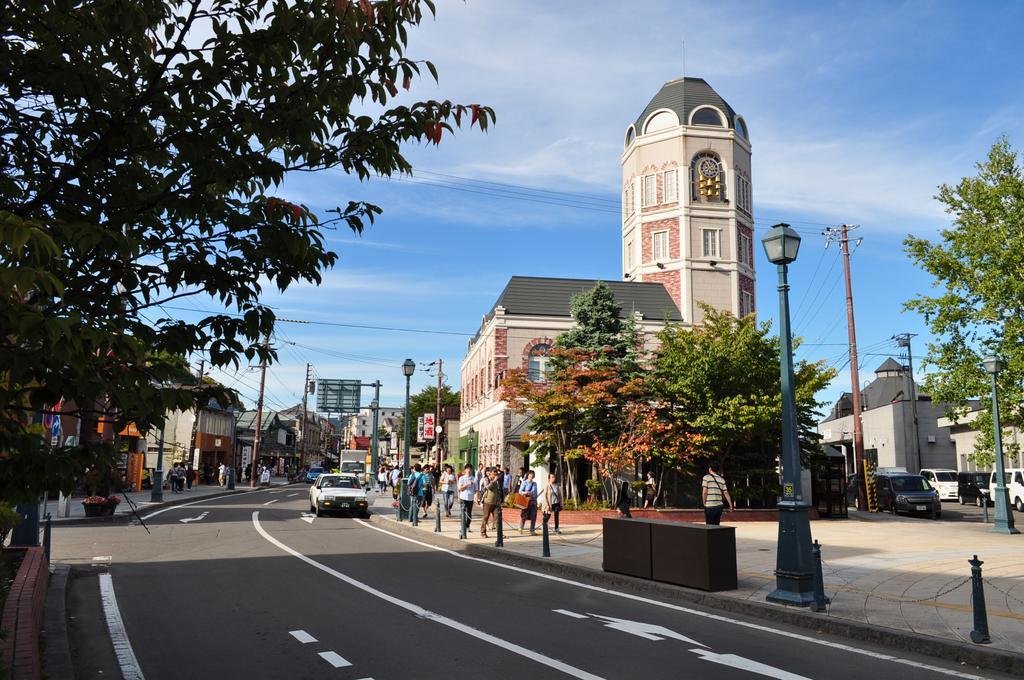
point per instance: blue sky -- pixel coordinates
(857, 112)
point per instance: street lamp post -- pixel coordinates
(404, 506)
(1004, 518)
(794, 574)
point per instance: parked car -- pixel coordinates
(313, 474)
(338, 493)
(943, 481)
(903, 492)
(972, 487)
(1014, 485)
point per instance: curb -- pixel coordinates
(56, 645)
(892, 638)
(129, 517)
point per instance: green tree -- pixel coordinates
(978, 268)
(600, 328)
(720, 382)
(425, 401)
(143, 143)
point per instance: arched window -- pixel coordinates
(707, 178)
(661, 121)
(630, 134)
(706, 116)
(741, 128)
(537, 366)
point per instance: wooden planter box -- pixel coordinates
(685, 554)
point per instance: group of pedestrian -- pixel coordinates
(489, 487)
(181, 476)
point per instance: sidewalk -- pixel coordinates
(902, 573)
(142, 499)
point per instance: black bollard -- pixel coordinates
(820, 600)
(462, 521)
(47, 535)
(437, 518)
(546, 550)
(980, 633)
(500, 541)
(984, 506)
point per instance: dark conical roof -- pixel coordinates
(683, 95)
(889, 365)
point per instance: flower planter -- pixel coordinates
(95, 509)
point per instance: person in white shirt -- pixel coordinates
(448, 489)
(221, 478)
(467, 494)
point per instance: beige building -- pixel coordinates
(687, 209)
(518, 332)
(964, 434)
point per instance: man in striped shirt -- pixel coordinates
(714, 493)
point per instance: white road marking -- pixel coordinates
(687, 610)
(734, 661)
(272, 500)
(103, 558)
(335, 659)
(293, 494)
(647, 631)
(302, 636)
(569, 613)
(201, 500)
(118, 636)
(427, 614)
(186, 520)
(308, 517)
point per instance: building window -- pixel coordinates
(537, 367)
(709, 239)
(743, 192)
(660, 245)
(670, 183)
(629, 255)
(650, 190)
(628, 206)
(746, 303)
(745, 254)
(706, 116)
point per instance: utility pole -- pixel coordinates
(437, 413)
(903, 340)
(192, 443)
(842, 236)
(374, 443)
(305, 395)
(259, 416)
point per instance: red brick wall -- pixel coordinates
(747, 284)
(669, 279)
(23, 616)
(657, 171)
(500, 358)
(647, 240)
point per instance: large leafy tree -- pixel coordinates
(720, 382)
(978, 307)
(600, 328)
(143, 141)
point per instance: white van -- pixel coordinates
(1014, 486)
(943, 481)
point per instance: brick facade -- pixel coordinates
(747, 284)
(647, 230)
(671, 280)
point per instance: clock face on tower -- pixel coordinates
(708, 168)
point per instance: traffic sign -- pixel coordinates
(339, 396)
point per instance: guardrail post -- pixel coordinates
(462, 520)
(437, 513)
(47, 535)
(980, 633)
(500, 541)
(820, 600)
(546, 545)
(984, 506)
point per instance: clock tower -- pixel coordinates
(687, 213)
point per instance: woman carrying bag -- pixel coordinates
(528, 488)
(551, 501)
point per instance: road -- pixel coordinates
(247, 586)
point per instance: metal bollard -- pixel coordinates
(984, 507)
(820, 600)
(546, 543)
(437, 518)
(500, 541)
(462, 521)
(414, 508)
(47, 534)
(980, 633)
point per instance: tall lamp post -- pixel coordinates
(1004, 518)
(408, 368)
(794, 575)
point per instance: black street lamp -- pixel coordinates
(1004, 518)
(794, 575)
(404, 504)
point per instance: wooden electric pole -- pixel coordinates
(305, 396)
(437, 412)
(259, 415)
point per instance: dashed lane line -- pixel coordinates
(335, 659)
(428, 615)
(302, 636)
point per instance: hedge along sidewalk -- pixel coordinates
(123, 512)
(872, 571)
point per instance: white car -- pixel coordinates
(1014, 487)
(338, 493)
(943, 481)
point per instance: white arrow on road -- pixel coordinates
(193, 519)
(308, 517)
(648, 631)
(734, 661)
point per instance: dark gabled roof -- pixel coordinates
(890, 365)
(683, 95)
(247, 420)
(541, 296)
